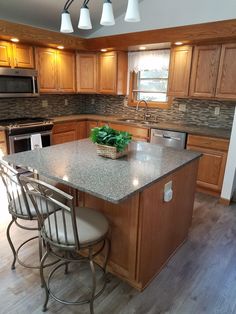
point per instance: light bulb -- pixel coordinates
(66, 25)
(107, 14)
(132, 12)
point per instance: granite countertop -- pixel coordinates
(188, 128)
(78, 165)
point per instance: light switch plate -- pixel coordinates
(217, 111)
(66, 102)
(182, 107)
(44, 103)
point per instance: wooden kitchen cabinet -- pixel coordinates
(3, 144)
(56, 71)
(179, 71)
(16, 55)
(204, 71)
(90, 125)
(112, 73)
(138, 133)
(212, 163)
(87, 72)
(23, 56)
(69, 131)
(5, 54)
(66, 71)
(226, 82)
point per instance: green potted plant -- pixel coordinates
(110, 143)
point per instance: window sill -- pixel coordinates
(161, 105)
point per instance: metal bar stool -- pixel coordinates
(20, 207)
(71, 234)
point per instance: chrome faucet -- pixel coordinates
(146, 106)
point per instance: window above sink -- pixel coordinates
(148, 73)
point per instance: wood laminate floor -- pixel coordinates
(200, 278)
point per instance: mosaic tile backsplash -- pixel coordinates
(198, 112)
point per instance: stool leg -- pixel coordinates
(93, 279)
(44, 282)
(11, 244)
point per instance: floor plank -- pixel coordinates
(200, 278)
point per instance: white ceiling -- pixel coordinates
(46, 13)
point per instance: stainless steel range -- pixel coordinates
(19, 131)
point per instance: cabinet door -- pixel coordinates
(204, 70)
(3, 144)
(87, 73)
(81, 130)
(47, 69)
(179, 72)
(211, 168)
(107, 74)
(61, 138)
(66, 72)
(90, 126)
(23, 56)
(226, 83)
(5, 54)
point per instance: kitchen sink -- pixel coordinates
(129, 120)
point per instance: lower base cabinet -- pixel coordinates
(3, 144)
(212, 163)
(138, 134)
(68, 131)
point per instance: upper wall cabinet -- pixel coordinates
(226, 83)
(112, 73)
(204, 70)
(56, 71)
(16, 55)
(87, 72)
(179, 71)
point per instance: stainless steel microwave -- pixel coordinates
(18, 83)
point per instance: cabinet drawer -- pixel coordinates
(64, 127)
(3, 149)
(135, 131)
(2, 136)
(208, 142)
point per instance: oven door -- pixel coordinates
(21, 143)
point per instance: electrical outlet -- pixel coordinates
(168, 192)
(217, 111)
(44, 103)
(92, 101)
(66, 102)
(125, 102)
(182, 107)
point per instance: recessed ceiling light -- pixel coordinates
(60, 47)
(103, 50)
(178, 43)
(15, 40)
(142, 48)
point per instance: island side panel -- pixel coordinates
(164, 226)
(123, 219)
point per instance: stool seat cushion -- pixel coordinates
(92, 226)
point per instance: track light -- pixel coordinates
(107, 18)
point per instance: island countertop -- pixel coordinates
(78, 165)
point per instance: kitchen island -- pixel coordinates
(145, 229)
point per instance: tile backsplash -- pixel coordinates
(188, 111)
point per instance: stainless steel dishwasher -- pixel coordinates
(168, 138)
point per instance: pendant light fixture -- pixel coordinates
(107, 18)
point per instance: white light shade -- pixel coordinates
(132, 12)
(84, 20)
(107, 14)
(66, 25)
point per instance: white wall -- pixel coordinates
(157, 14)
(229, 184)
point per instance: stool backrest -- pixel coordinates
(17, 200)
(56, 213)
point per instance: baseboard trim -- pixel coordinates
(224, 201)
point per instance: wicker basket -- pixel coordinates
(110, 151)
